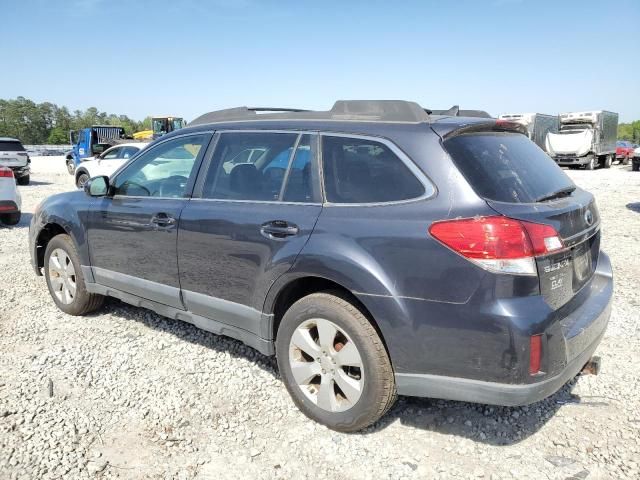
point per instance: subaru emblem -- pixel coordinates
(588, 217)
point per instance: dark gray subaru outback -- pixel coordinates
(376, 249)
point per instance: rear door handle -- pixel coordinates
(163, 220)
(278, 229)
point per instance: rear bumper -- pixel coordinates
(21, 171)
(582, 330)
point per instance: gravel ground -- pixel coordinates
(125, 393)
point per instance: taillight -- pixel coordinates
(6, 172)
(499, 244)
(535, 354)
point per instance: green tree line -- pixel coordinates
(47, 123)
(629, 131)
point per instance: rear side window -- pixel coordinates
(506, 167)
(11, 147)
(359, 170)
(261, 166)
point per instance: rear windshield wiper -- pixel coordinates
(563, 192)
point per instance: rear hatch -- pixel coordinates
(12, 154)
(518, 180)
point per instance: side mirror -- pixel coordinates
(97, 186)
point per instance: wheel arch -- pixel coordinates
(45, 235)
(79, 171)
(289, 292)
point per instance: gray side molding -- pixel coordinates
(139, 287)
(232, 313)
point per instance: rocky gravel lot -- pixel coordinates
(125, 393)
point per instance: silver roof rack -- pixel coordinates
(349, 110)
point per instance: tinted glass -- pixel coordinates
(11, 147)
(358, 170)
(300, 177)
(249, 166)
(162, 171)
(111, 154)
(507, 167)
(128, 152)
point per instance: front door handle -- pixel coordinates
(278, 229)
(163, 220)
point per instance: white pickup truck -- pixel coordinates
(585, 139)
(14, 157)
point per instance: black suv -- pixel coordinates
(376, 249)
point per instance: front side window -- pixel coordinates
(162, 171)
(111, 154)
(261, 166)
(359, 170)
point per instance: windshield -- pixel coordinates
(160, 125)
(506, 167)
(177, 123)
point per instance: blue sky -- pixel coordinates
(187, 57)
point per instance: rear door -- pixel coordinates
(247, 223)
(518, 180)
(12, 154)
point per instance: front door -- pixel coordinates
(132, 234)
(250, 217)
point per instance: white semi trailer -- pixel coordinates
(585, 138)
(537, 125)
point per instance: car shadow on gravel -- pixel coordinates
(184, 331)
(487, 424)
(635, 206)
(35, 183)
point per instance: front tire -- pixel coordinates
(63, 273)
(608, 161)
(591, 165)
(82, 179)
(10, 218)
(71, 167)
(333, 363)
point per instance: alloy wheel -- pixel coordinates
(62, 276)
(326, 365)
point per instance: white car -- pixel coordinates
(14, 156)
(107, 162)
(10, 201)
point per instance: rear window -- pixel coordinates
(506, 167)
(11, 146)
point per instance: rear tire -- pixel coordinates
(10, 218)
(23, 180)
(65, 280)
(354, 396)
